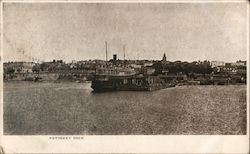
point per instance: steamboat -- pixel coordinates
(127, 81)
(113, 78)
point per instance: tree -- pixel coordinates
(36, 68)
(10, 70)
(158, 66)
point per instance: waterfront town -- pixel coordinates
(180, 72)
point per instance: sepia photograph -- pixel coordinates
(125, 68)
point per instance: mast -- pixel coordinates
(124, 52)
(106, 46)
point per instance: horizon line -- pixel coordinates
(41, 61)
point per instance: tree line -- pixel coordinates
(183, 67)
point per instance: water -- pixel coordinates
(38, 108)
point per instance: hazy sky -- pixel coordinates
(77, 31)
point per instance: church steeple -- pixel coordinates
(164, 58)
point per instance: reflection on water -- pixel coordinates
(71, 108)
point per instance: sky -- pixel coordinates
(78, 31)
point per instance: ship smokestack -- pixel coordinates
(114, 57)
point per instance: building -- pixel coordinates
(228, 68)
(239, 63)
(148, 64)
(150, 70)
(20, 67)
(217, 63)
(135, 66)
(73, 64)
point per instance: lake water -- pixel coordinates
(38, 108)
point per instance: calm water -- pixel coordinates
(71, 108)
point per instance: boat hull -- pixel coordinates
(127, 84)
